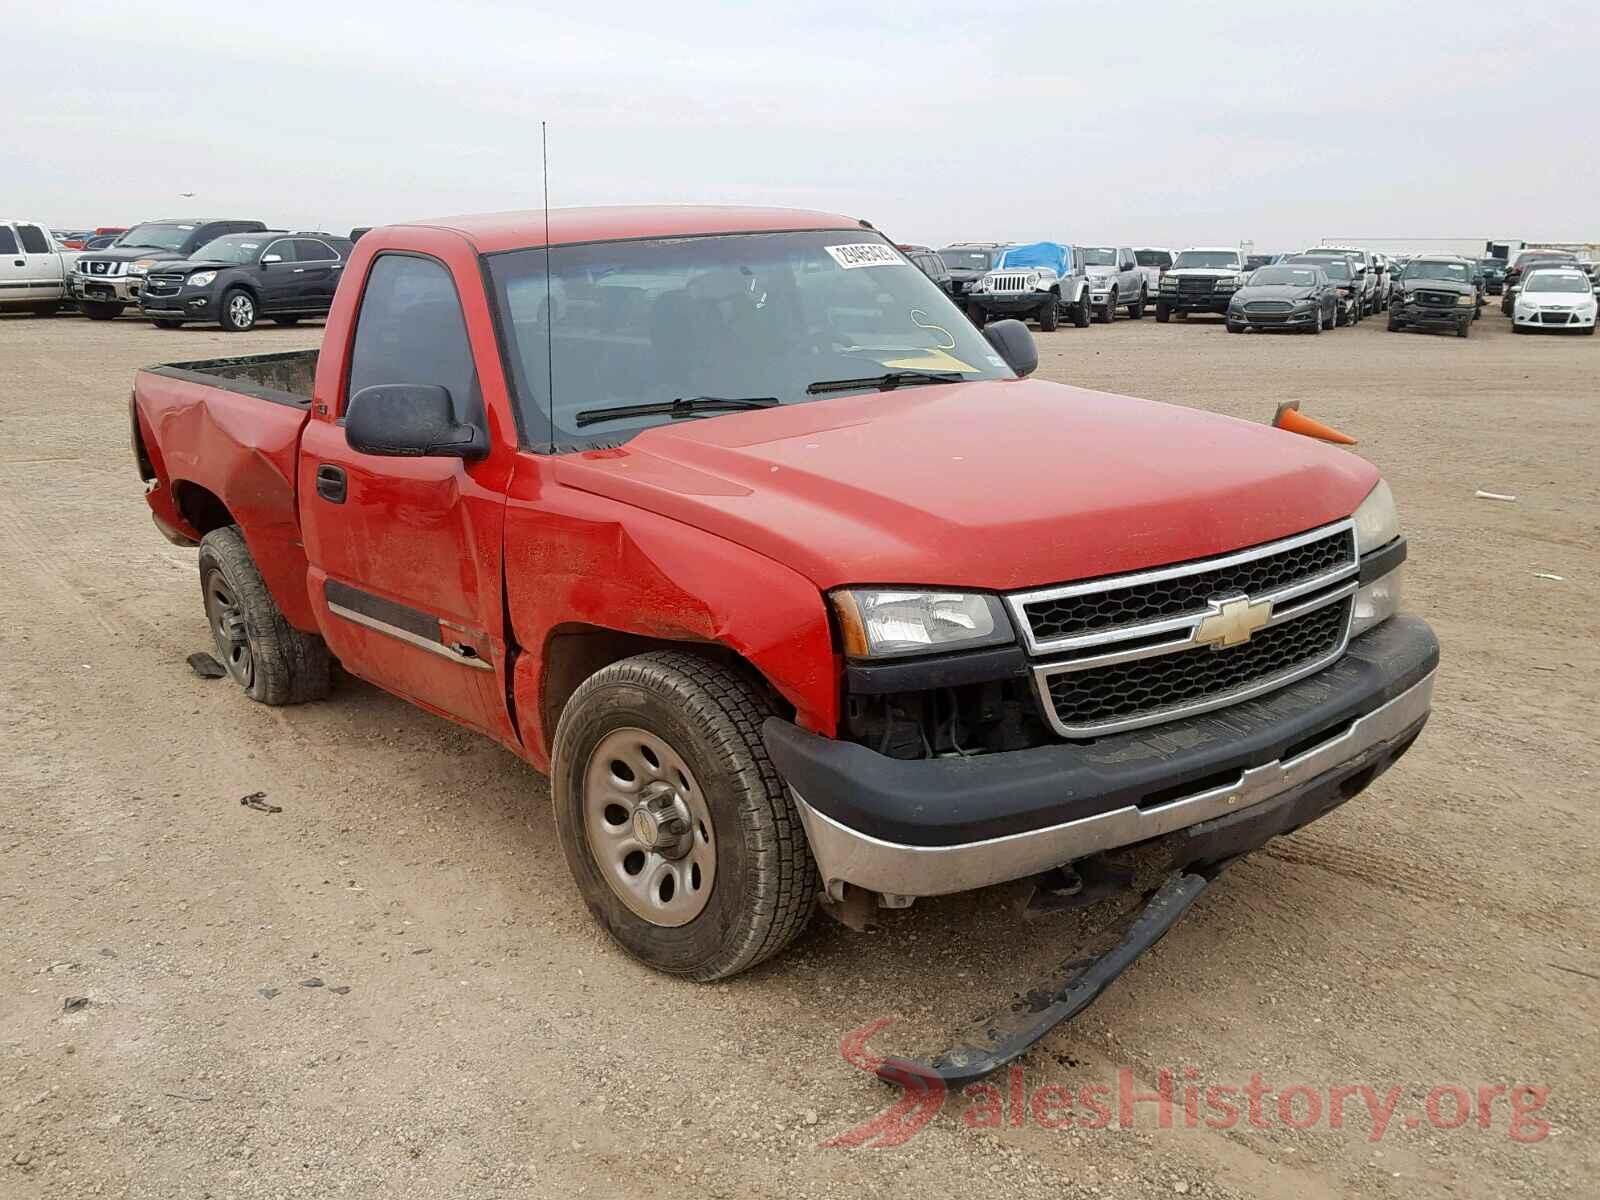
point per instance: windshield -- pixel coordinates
(1334, 268)
(1225, 260)
(969, 260)
(233, 248)
(1099, 256)
(1532, 256)
(1285, 277)
(156, 237)
(1455, 272)
(735, 316)
(1551, 281)
(1152, 258)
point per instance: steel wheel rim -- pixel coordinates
(241, 310)
(228, 630)
(666, 880)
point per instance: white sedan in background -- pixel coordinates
(1558, 298)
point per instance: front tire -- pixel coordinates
(1163, 313)
(1136, 309)
(677, 737)
(976, 315)
(238, 311)
(1393, 326)
(100, 310)
(1108, 313)
(1050, 315)
(1464, 328)
(273, 662)
(1081, 312)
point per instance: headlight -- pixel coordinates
(887, 624)
(1466, 301)
(1169, 285)
(201, 278)
(1226, 284)
(1377, 522)
(140, 267)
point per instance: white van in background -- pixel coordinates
(33, 268)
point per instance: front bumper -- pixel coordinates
(1290, 320)
(1205, 302)
(930, 827)
(1008, 303)
(1430, 318)
(109, 289)
(184, 306)
(1535, 320)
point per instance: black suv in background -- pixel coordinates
(931, 265)
(969, 262)
(105, 282)
(238, 279)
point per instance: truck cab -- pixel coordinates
(797, 586)
(34, 269)
(1115, 281)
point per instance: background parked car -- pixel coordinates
(1254, 262)
(1115, 281)
(931, 265)
(1342, 273)
(1044, 280)
(237, 279)
(1297, 296)
(107, 281)
(1494, 275)
(1366, 273)
(968, 263)
(1153, 262)
(1202, 279)
(1555, 298)
(1437, 291)
(33, 269)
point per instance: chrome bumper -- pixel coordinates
(898, 872)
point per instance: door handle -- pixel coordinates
(19, 262)
(331, 483)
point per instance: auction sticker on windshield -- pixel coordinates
(865, 254)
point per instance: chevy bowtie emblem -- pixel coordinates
(1232, 620)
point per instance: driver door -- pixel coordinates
(405, 552)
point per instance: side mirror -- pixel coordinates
(407, 420)
(268, 259)
(1014, 343)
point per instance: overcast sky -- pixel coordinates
(1147, 123)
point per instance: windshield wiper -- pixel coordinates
(884, 383)
(683, 406)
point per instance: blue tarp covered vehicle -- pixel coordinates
(1041, 280)
(1039, 254)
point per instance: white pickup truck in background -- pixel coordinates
(33, 268)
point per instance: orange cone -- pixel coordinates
(1291, 419)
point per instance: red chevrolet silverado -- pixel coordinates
(785, 573)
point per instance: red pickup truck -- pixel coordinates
(785, 573)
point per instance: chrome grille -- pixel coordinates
(1268, 306)
(1106, 651)
(1437, 299)
(1147, 688)
(163, 285)
(1008, 283)
(1195, 286)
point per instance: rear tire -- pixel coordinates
(688, 729)
(273, 662)
(1050, 315)
(1136, 309)
(100, 310)
(237, 312)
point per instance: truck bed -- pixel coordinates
(219, 445)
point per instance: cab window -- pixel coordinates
(34, 240)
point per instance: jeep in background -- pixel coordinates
(108, 281)
(1043, 280)
(239, 278)
(1437, 291)
(34, 269)
(1115, 281)
(1202, 280)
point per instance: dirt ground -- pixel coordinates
(1439, 930)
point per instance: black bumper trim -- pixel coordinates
(952, 801)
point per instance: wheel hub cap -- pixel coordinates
(648, 827)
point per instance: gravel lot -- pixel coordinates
(1440, 930)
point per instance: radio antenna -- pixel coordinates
(549, 306)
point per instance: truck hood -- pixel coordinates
(994, 485)
(1202, 272)
(124, 254)
(1275, 291)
